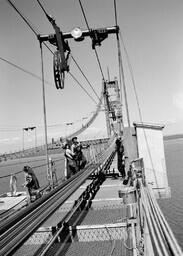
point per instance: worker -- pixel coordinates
(31, 183)
(74, 144)
(76, 149)
(70, 163)
(120, 157)
(13, 185)
(53, 171)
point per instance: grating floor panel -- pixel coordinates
(104, 216)
(113, 247)
(28, 250)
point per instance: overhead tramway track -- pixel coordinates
(17, 229)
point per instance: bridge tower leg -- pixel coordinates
(119, 116)
(106, 106)
(113, 107)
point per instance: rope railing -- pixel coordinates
(160, 233)
(167, 232)
(158, 236)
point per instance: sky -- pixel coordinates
(153, 35)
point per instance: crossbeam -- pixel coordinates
(85, 33)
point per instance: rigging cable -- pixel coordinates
(82, 87)
(24, 70)
(45, 12)
(121, 69)
(96, 53)
(132, 77)
(33, 30)
(28, 23)
(84, 76)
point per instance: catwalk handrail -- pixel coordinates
(158, 236)
(88, 142)
(18, 228)
(160, 232)
(167, 232)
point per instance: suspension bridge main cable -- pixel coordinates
(96, 53)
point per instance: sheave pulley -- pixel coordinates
(60, 56)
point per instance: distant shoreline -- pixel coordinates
(173, 137)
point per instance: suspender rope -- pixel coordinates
(44, 112)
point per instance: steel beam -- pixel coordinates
(67, 35)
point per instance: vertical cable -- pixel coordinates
(122, 83)
(44, 112)
(23, 140)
